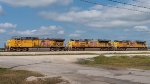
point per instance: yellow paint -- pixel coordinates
(88, 44)
(53, 43)
(33, 43)
(77, 44)
(129, 44)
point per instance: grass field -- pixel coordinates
(19, 77)
(140, 62)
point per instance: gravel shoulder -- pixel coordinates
(74, 52)
(63, 65)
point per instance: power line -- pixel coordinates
(141, 1)
(125, 3)
(96, 3)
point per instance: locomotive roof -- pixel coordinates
(122, 41)
(81, 40)
(141, 41)
(25, 38)
(55, 39)
(88, 39)
(35, 38)
(104, 40)
(76, 39)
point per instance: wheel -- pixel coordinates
(18, 49)
(110, 49)
(125, 49)
(73, 49)
(13, 49)
(58, 49)
(139, 48)
(77, 49)
(146, 48)
(25, 49)
(51, 49)
(66, 49)
(21, 49)
(118, 49)
(83, 49)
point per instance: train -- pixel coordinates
(26, 43)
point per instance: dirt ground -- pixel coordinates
(63, 65)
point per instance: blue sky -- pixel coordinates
(73, 19)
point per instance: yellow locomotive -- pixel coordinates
(126, 44)
(74, 44)
(24, 43)
(106, 45)
(88, 43)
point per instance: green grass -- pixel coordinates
(140, 62)
(8, 76)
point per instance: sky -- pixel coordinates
(75, 19)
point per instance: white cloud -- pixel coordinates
(75, 8)
(77, 33)
(61, 32)
(35, 3)
(7, 25)
(97, 7)
(1, 9)
(43, 30)
(2, 31)
(102, 17)
(142, 28)
(71, 16)
(26, 32)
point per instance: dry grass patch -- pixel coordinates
(20, 77)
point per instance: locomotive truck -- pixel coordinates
(25, 43)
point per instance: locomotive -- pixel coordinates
(25, 43)
(87, 43)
